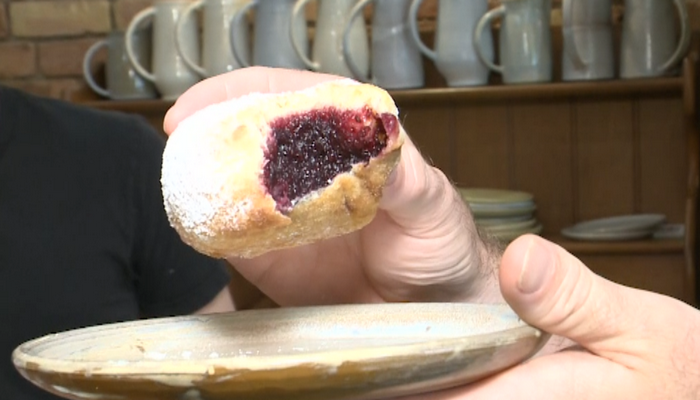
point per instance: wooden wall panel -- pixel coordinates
(656, 273)
(429, 127)
(662, 157)
(481, 151)
(604, 158)
(541, 162)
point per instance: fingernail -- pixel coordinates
(538, 265)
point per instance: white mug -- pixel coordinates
(454, 54)
(588, 40)
(272, 44)
(524, 38)
(327, 52)
(216, 41)
(396, 62)
(122, 82)
(649, 45)
(171, 75)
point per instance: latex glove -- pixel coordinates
(634, 344)
(422, 245)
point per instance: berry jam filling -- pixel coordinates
(306, 151)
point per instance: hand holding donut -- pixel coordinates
(392, 258)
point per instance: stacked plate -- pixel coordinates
(504, 214)
(623, 227)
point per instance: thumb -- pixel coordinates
(644, 342)
(554, 291)
(423, 243)
(419, 196)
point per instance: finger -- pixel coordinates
(419, 196)
(236, 84)
(427, 230)
(309, 275)
(551, 289)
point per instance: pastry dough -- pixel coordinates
(234, 174)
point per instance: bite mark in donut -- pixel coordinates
(307, 150)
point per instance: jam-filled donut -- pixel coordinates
(272, 171)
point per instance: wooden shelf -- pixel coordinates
(544, 91)
(649, 246)
(132, 106)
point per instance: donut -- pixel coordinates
(265, 171)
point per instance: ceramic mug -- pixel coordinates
(171, 75)
(454, 54)
(122, 81)
(216, 41)
(327, 52)
(395, 59)
(272, 43)
(588, 40)
(649, 46)
(524, 39)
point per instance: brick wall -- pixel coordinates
(42, 42)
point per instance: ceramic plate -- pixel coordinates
(670, 231)
(605, 236)
(636, 222)
(479, 195)
(510, 235)
(509, 226)
(331, 352)
(502, 221)
(499, 206)
(501, 212)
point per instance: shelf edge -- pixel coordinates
(637, 247)
(548, 91)
(533, 92)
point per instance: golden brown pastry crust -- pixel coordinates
(212, 175)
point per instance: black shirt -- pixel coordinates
(84, 238)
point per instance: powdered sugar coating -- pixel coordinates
(192, 177)
(192, 182)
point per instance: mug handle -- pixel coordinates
(298, 6)
(236, 21)
(129, 42)
(186, 13)
(684, 40)
(569, 41)
(485, 22)
(413, 23)
(347, 55)
(87, 73)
